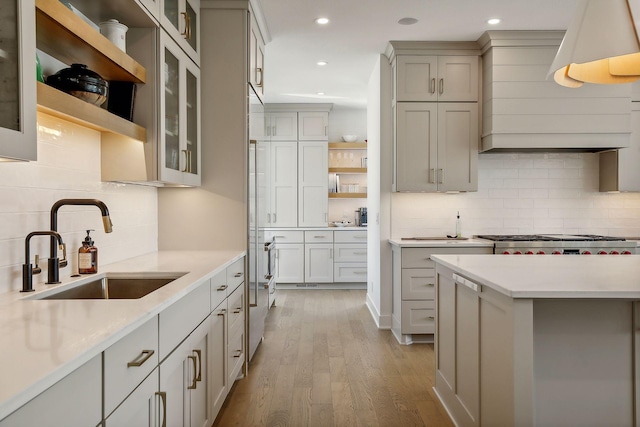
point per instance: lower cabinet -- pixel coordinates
(54, 408)
(235, 334)
(217, 358)
(414, 279)
(142, 407)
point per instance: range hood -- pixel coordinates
(523, 110)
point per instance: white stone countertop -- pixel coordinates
(42, 341)
(426, 243)
(331, 228)
(551, 276)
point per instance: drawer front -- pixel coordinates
(182, 317)
(352, 272)
(349, 236)
(219, 289)
(236, 308)
(418, 317)
(348, 252)
(128, 362)
(418, 283)
(235, 275)
(235, 355)
(320, 236)
(419, 257)
(285, 236)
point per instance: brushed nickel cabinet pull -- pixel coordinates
(163, 398)
(268, 218)
(199, 354)
(441, 88)
(222, 288)
(430, 285)
(274, 218)
(142, 357)
(186, 161)
(194, 383)
(432, 176)
(430, 317)
(319, 237)
(238, 353)
(440, 176)
(237, 275)
(238, 310)
(432, 89)
(185, 33)
(222, 312)
(259, 82)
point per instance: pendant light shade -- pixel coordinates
(600, 46)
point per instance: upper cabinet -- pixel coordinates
(313, 126)
(256, 57)
(17, 73)
(181, 20)
(436, 78)
(282, 126)
(524, 109)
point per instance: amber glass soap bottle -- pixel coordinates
(88, 256)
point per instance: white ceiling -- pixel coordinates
(360, 30)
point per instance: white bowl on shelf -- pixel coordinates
(349, 138)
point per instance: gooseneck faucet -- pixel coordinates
(27, 269)
(53, 270)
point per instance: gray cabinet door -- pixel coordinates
(458, 141)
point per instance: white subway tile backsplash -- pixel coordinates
(68, 166)
(523, 193)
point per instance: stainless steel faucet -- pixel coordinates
(27, 270)
(53, 269)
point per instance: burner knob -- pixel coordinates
(540, 253)
(529, 252)
(557, 253)
(602, 252)
(614, 253)
(586, 253)
(626, 253)
(517, 253)
(506, 253)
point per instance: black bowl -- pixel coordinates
(80, 82)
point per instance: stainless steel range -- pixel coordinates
(560, 244)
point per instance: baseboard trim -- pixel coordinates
(382, 322)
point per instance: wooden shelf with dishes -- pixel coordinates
(347, 146)
(347, 170)
(66, 37)
(347, 195)
(349, 160)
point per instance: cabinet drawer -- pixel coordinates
(285, 236)
(235, 305)
(235, 355)
(219, 289)
(235, 275)
(348, 252)
(320, 236)
(349, 236)
(182, 317)
(418, 317)
(351, 272)
(419, 257)
(418, 283)
(128, 362)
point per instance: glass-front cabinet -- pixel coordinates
(17, 80)
(181, 19)
(180, 123)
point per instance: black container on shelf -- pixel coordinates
(80, 82)
(121, 99)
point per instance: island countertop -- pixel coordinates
(426, 242)
(42, 341)
(551, 276)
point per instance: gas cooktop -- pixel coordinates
(549, 238)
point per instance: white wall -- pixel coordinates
(523, 193)
(68, 166)
(347, 121)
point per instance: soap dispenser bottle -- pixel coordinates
(88, 256)
(458, 226)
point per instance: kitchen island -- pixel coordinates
(538, 340)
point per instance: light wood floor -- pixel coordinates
(323, 362)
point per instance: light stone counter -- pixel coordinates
(551, 276)
(458, 243)
(42, 341)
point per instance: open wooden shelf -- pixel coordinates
(347, 195)
(66, 37)
(347, 170)
(348, 145)
(59, 104)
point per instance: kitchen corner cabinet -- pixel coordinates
(181, 20)
(338, 152)
(54, 408)
(312, 184)
(18, 93)
(436, 146)
(436, 78)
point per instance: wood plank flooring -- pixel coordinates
(323, 362)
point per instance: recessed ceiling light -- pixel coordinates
(319, 93)
(322, 21)
(407, 21)
(493, 21)
(322, 63)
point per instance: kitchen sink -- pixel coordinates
(113, 286)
